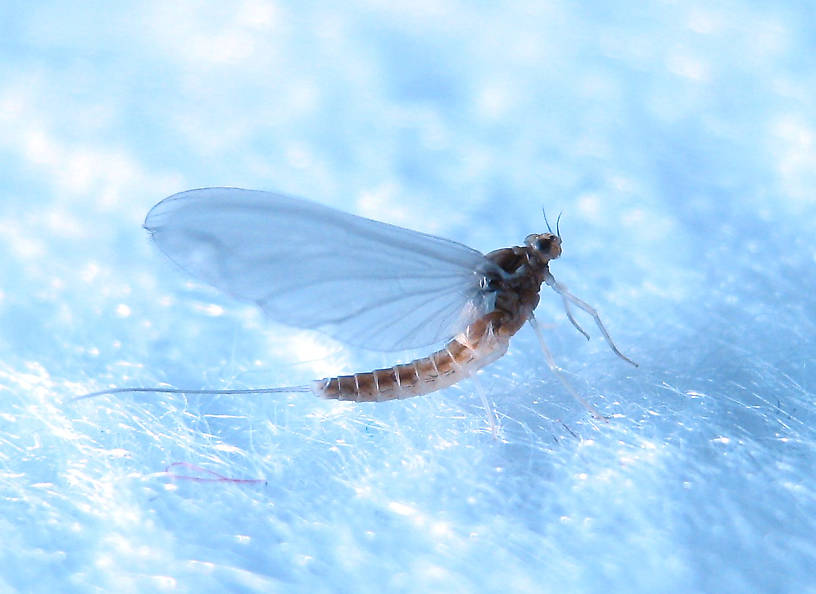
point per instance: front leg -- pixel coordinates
(570, 298)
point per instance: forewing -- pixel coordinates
(364, 282)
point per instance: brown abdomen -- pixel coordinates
(459, 359)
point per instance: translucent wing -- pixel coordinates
(366, 283)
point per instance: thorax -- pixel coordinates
(517, 289)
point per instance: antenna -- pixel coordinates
(546, 221)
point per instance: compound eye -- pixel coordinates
(543, 244)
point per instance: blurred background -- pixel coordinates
(679, 141)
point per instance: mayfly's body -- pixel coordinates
(514, 284)
(363, 282)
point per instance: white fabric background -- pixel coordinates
(678, 139)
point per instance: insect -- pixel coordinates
(366, 283)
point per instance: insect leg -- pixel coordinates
(568, 309)
(559, 372)
(491, 413)
(570, 298)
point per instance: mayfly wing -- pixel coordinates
(366, 283)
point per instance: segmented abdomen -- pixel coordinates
(458, 359)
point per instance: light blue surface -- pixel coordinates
(679, 140)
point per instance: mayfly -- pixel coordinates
(366, 283)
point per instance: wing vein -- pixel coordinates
(363, 282)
